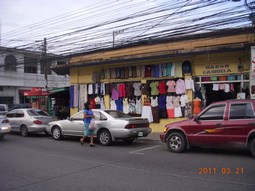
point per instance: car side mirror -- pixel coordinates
(196, 118)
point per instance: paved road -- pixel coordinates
(39, 163)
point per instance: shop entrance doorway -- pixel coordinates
(214, 93)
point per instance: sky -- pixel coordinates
(30, 21)
(15, 14)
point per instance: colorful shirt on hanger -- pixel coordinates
(189, 84)
(148, 70)
(115, 94)
(180, 87)
(154, 88)
(171, 86)
(122, 90)
(162, 87)
(168, 69)
(137, 89)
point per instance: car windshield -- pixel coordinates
(32, 112)
(117, 114)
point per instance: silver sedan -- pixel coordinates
(110, 126)
(4, 126)
(28, 121)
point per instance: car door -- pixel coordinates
(76, 125)
(209, 127)
(100, 119)
(241, 121)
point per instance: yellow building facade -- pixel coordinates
(216, 58)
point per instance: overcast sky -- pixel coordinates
(20, 13)
(80, 24)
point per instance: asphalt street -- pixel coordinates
(39, 163)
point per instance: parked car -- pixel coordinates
(28, 121)
(228, 123)
(4, 126)
(3, 109)
(110, 126)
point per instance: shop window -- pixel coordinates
(30, 65)
(10, 63)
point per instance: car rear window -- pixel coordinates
(40, 112)
(32, 113)
(2, 108)
(117, 114)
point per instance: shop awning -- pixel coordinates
(56, 90)
(35, 92)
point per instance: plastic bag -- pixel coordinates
(92, 125)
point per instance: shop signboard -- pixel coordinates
(252, 73)
(216, 69)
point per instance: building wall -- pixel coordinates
(206, 64)
(14, 81)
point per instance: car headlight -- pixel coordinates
(165, 129)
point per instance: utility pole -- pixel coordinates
(44, 62)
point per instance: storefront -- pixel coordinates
(164, 85)
(38, 98)
(59, 105)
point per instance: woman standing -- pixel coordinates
(88, 115)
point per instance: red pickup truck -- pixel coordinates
(228, 123)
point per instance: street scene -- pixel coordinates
(40, 163)
(127, 95)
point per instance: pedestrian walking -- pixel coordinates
(88, 115)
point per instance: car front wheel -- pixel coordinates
(24, 131)
(252, 147)
(57, 133)
(105, 137)
(176, 142)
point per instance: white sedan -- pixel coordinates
(110, 126)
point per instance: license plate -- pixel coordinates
(140, 134)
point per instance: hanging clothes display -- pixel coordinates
(137, 88)
(171, 86)
(180, 87)
(138, 105)
(155, 109)
(162, 87)
(115, 94)
(102, 106)
(113, 105)
(196, 105)
(170, 106)
(122, 90)
(177, 107)
(125, 106)
(189, 84)
(132, 109)
(154, 88)
(119, 104)
(162, 107)
(183, 100)
(146, 110)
